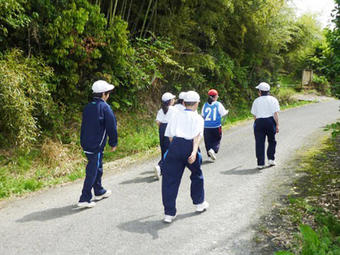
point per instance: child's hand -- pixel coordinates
(192, 158)
(113, 148)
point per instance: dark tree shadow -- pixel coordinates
(141, 226)
(236, 171)
(52, 213)
(148, 179)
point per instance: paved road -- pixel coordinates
(129, 222)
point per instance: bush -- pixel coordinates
(25, 99)
(285, 95)
(321, 84)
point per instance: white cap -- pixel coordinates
(101, 86)
(167, 96)
(191, 96)
(263, 86)
(181, 95)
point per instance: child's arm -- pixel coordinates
(196, 143)
(111, 127)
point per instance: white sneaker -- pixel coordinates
(260, 166)
(211, 153)
(202, 207)
(105, 195)
(158, 172)
(169, 218)
(271, 162)
(86, 204)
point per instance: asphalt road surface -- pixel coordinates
(130, 221)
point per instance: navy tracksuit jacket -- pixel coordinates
(98, 123)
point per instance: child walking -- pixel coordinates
(212, 112)
(185, 130)
(162, 119)
(98, 122)
(180, 102)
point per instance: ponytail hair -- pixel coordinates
(210, 99)
(264, 93)
(165, 106)
(179, 101)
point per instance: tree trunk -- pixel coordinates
(145, 18)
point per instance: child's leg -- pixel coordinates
(216, 134)
(163, 141)
(271, 131)
(207, 139)
(197, 182)
(172, 171)
(97, 186)
(91, 173)
(260, 138)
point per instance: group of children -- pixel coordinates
(181, 129)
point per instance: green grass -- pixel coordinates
(313, 209)
(287, 81)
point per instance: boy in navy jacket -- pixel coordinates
(98, 122)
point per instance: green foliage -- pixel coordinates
(283, 253)
(314, 203)
(140, 133)
(335, 127)
(25, 99)
(326, 57)
(318, 243)
(12, 17)
(285, 95)
(321, 84)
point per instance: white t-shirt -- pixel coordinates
(179, 107)
(265, 107)
(185, 124)
(164, 118)
(222, 111)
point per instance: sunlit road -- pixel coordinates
(129, 222)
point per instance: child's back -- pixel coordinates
(98, 122)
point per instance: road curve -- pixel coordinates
(129, 222)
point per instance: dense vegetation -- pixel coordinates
(52, 51)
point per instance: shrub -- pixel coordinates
(285, 95)
(24, 98)
(321, 84)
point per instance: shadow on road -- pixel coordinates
(141, 226)
(148, 172)
(206, 162)
(148, 179)
(236, 171)
(51, 214)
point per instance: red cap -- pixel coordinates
(212, 92)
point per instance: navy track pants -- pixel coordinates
(93, 179)
(176, 159)
(163, 141)
(212, 139)
(264, 127)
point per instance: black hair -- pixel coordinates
(211, 99)
(165, 106)
(179, 101)
(101, 94)
(264, 93)
(189, 103)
